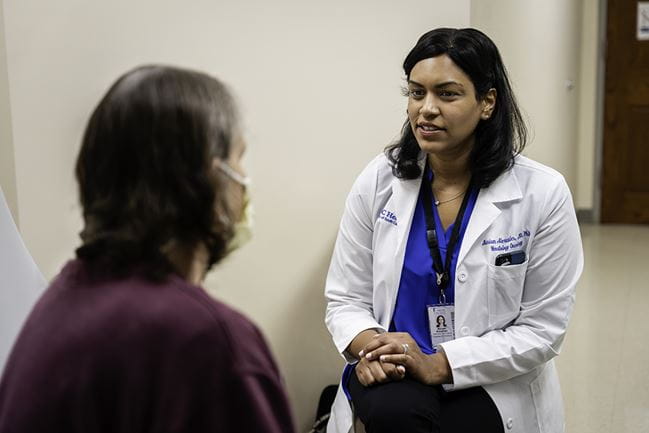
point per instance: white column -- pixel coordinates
(7, 172)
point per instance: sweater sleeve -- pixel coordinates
(261, 405)
(257, 399)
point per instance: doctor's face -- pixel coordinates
(442, 107)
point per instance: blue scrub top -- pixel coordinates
(418, 286)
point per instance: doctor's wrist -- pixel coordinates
(439, 369)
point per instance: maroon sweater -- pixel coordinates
(132, 356)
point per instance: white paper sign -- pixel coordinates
(643, 21)
(21, 283)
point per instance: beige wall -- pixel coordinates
(7, 174)
(319, 84)
(539, 42)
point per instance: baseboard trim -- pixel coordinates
(586, 216)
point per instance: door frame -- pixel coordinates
(592, 214)
(599, 111)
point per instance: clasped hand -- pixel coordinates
(385, 358)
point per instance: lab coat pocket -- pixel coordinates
(505, 290)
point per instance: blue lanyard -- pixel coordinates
(441, 268)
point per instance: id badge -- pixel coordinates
(441, 321)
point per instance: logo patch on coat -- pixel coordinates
(388, 216)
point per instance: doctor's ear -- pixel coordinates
(488, 104)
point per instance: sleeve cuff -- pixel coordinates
(456, 351)
(342, 344)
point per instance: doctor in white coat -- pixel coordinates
(504, 281)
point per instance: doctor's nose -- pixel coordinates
(429, 107)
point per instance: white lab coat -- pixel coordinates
(21, 283)
(510, 321)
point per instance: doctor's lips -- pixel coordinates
(429, 129)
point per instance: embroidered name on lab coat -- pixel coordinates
(507, 243)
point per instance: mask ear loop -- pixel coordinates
(232, 173)
(237, 177)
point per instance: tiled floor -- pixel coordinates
(604, 364)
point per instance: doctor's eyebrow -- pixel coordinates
(439, 85)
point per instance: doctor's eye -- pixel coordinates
(416, 93)
(448, 94)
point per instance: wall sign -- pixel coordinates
(643, 21)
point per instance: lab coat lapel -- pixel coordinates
(404, 193)
(486, 211)
(404, 197)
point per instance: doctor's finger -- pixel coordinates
(364, 376)
(392, 348)
(400, 360)
(377, 372)
(393, 371)
(387, 338)
(376, 342)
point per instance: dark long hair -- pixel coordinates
(145, 169)
(497, 139)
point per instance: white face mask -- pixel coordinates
(243, 227)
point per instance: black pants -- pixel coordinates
(408, 406)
